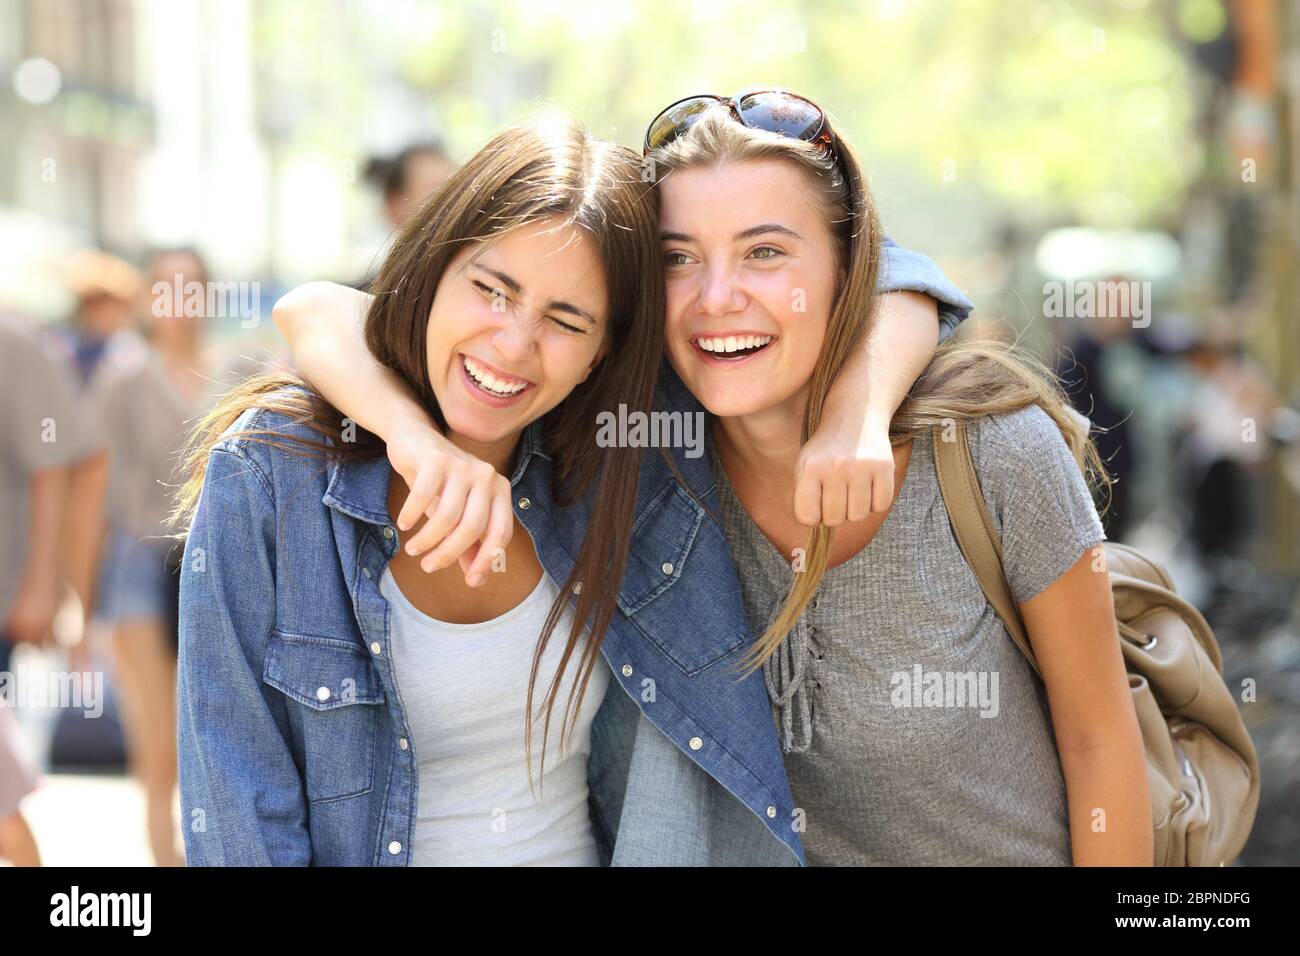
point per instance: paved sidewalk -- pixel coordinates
(88, 820)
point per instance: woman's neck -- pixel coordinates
(765, 445)
(499, 454)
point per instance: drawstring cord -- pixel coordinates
(784, 673)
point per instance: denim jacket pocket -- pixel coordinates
(675, 614)
(331, 680)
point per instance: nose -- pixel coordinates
(516, 335)
(719, 293)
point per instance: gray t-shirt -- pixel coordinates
(42, 425)
(915, 731)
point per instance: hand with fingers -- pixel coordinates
(845, 472)
(466, 502)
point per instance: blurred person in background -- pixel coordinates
(407, 179)
(49, 460)
(1229, 418)
(1097, 370)
(106, 290)
(404, 182)
(145, 392)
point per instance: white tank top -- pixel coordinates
(464, 687)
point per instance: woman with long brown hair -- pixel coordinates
(285, 634)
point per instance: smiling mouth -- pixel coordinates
(731, 347)
(494, 383)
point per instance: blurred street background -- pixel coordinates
(1034, 148)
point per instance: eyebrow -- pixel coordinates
(749, 233)
(554, 305)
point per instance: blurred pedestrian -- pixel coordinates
(45, 450)
(107, 290)
(407, 179)
(1229, 419)
(1096, 373)
(145, 390)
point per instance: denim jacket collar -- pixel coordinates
(359, 487)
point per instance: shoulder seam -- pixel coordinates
(262, 478)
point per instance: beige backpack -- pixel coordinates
(1201, 764)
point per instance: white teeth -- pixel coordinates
(490, 382)
(733, 343)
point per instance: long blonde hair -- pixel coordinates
(964, 381)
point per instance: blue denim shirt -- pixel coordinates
(293, 742)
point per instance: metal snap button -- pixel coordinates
(627, 670)
(668, 567)
(696, 743)
(525, 504)
(402, 743)
(374, 647)
(388, 531)
(322, 693)
(394, 848)
(771, 812)
(365, 572)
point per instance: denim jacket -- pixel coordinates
(293, 743)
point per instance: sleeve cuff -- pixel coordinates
(903, 270)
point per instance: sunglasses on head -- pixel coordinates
(775, 111)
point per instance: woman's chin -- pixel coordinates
(485, 428)
(731, 402)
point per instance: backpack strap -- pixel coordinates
(976, 535)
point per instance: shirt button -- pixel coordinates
(627, 670)
(577, 587)
(394, 848)
(696, 743)
(322, 693)
(365, 572)
(667, 567)
(374, 647)
(771, 812)
(403, 744)
(525, 504)
(388, 531)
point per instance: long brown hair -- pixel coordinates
(963, 382)
(548, 165)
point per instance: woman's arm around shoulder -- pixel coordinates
(466, 502)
